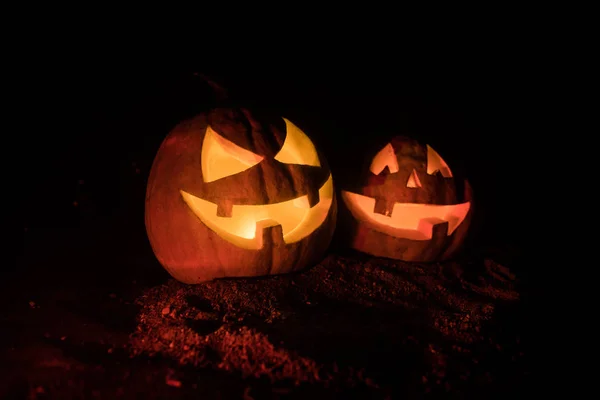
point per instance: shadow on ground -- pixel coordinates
(83, 321)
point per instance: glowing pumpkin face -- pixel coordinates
(409, 207)
(231, 194)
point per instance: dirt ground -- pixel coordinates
(80, 322)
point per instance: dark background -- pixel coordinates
(87, 133)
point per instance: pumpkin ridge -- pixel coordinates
(285, 170)
(250, 135)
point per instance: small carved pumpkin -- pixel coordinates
(232, 194)
(409, 207)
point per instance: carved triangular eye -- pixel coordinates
(221, 158)
(297, 148)
(385, 158)
(413, 180)
(436, 163)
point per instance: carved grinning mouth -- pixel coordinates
(407, 220)
(244, 228)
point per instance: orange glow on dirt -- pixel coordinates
(407, 220)
(244, 227)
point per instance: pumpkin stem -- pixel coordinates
(220, 91)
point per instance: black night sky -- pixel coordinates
(96, 127)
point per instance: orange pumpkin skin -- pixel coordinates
(432, 211)
(190, 250)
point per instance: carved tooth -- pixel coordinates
(313, 197)
(270, 232)
(384, 207)
(224, 208)
(433, 227)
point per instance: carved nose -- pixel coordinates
(413, 180)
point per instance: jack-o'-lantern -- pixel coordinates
(232, 193)
(409, 206)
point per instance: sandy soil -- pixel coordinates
(352, 326)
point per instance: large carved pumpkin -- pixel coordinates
(232, 194)
(409, 205)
